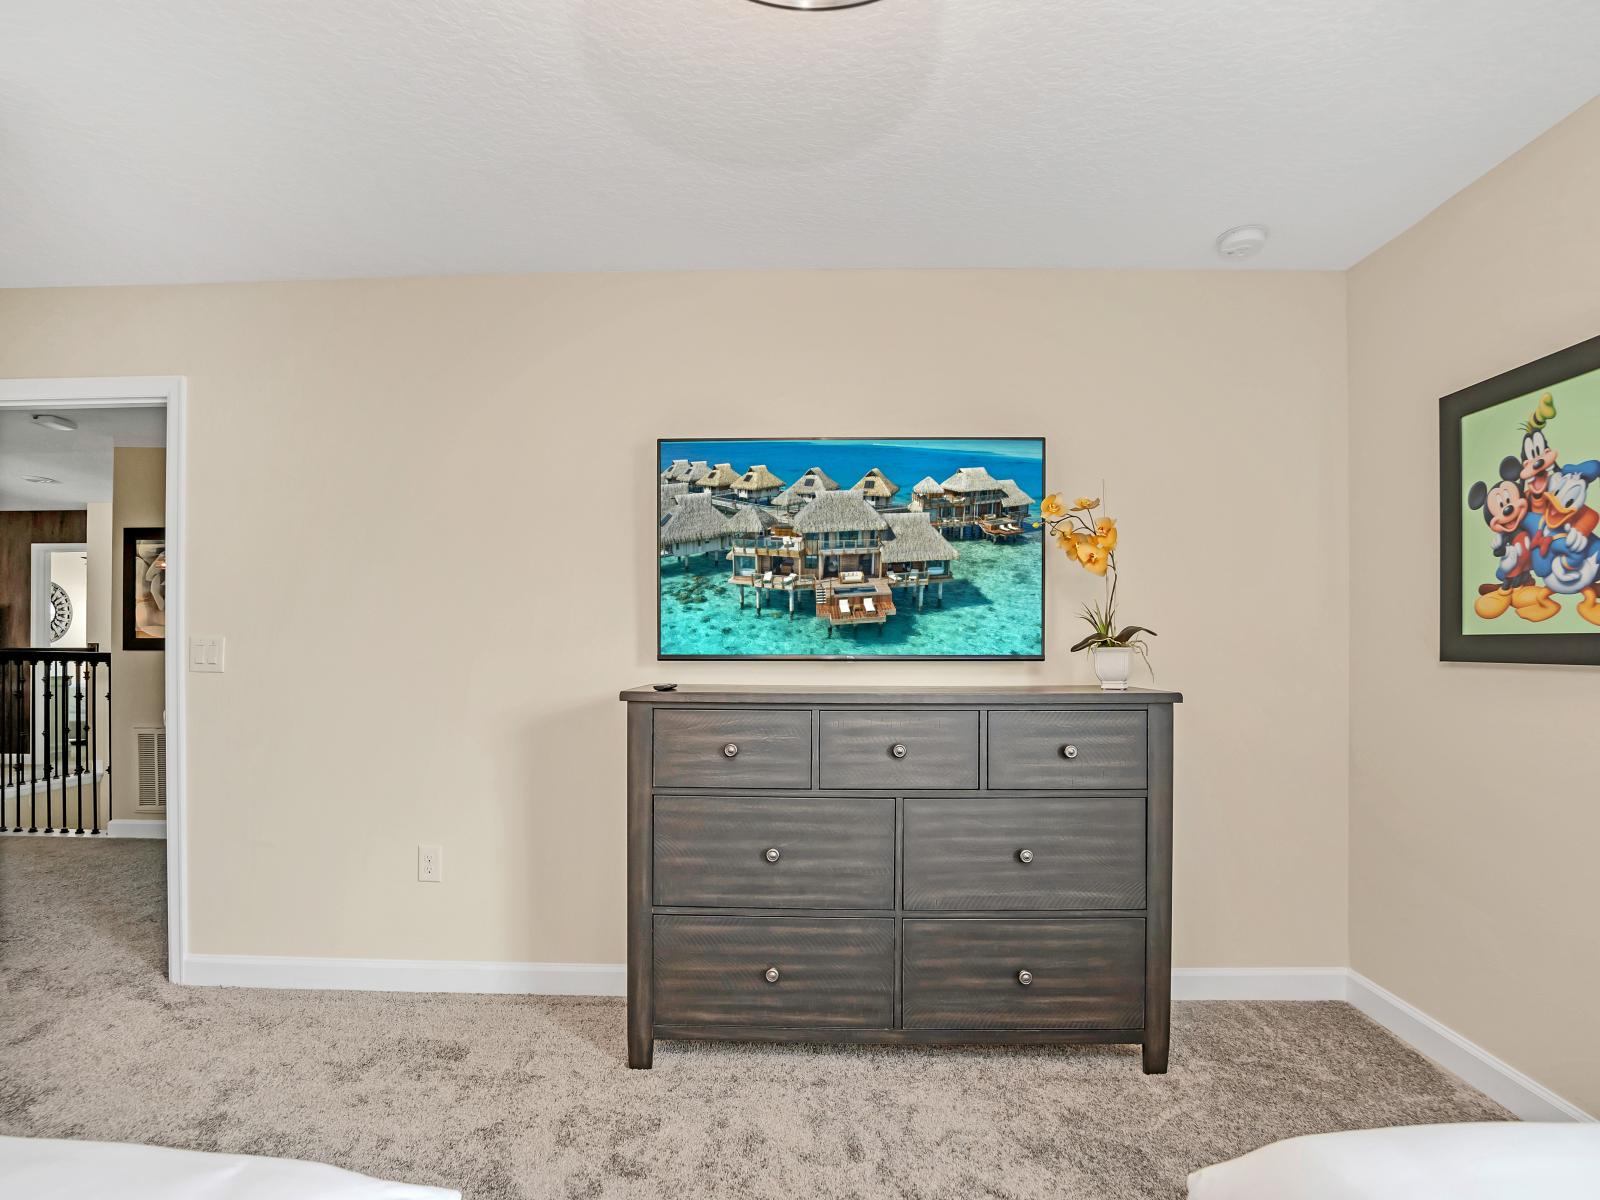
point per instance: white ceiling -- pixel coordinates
(80, 460)
(189, 140)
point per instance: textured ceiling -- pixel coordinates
(79, 461)
(184, 140)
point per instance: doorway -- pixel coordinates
(68, 399)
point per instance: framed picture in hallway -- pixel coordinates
(870, 548)
(1519, 533)
(144, 589)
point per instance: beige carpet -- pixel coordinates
(507, 1096)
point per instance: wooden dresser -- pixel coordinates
(900, 865)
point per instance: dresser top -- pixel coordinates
(1084, 695)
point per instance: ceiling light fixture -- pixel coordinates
(1242, 241)
(808, 5)
(39, 479)
(51, 421)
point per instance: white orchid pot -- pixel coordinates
(1113, 665)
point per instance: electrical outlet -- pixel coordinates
(430, 864)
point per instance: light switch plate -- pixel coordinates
(207, 652)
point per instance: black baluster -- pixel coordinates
(7, 752)
(46, 736)
(76, 703)
(91, 735)
(33, 762)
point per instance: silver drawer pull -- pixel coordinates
(772, 975)
(897, 750)
(1023, 977)
(771, 855)
(730, 750)
(1069, 752)
(1024, 856)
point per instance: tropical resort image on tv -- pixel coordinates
(847, 548)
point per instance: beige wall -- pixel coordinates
(102, 616)
(373, 466)
(138, 500)
(1473, 826)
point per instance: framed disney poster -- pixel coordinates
(1519, 531)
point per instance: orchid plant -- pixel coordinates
(1091, 542)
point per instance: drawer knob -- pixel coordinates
(898, 750)
(772, 975)
(1069, 752)
(1024, 856)
(730, 750)
(772, 854)
(1024, 977)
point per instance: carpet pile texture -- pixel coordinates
(529, 1098)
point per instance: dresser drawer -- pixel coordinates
(899, 749)
(718, 851)
(1024, 852)
(732, 747)
(1057, 749)
(1085, 974)
(830, 971)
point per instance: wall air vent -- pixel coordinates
(151, 744)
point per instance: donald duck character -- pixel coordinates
(1561, 550)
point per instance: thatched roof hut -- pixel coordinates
(670, 494)
(875, 485)
(695, 519)
(971, 479)
(677, 471)
(758, 479)
(752, 519)
(915, 540)
(926, 486)
(1014, 496)
(813, 483)
(719, 478)
(836, 512)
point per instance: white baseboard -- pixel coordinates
(137, 829)
(1259, 983)
(1498, 1080)
(406, 975)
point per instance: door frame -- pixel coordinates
(169, 392)
(39, 586)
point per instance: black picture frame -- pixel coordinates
(131, 537)
(1455, 645)
(1044, 608)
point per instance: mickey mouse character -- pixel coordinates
(1506, 512)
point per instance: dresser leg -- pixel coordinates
(641, 1051)
(1155, 1055)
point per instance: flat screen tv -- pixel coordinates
(850, 548)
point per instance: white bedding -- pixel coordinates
(1509, 1160)
(46, 1169)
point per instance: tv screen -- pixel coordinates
(850, 548)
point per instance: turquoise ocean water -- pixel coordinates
(992, 607)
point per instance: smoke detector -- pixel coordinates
(52, 421)
(1242, 241)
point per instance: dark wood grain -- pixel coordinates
(1025, 749)
(1158, 916)
(857, 748)
(1087, 974)
(641, 949)
(963, 853)
(774, 748)
(834, 972)
(833, 852)
(18, 533)
(902, 1037)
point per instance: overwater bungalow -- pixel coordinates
(766, 555)
(668, 496)
(676, 471)
(695, 526)
(757, 484)
(808, 487)
(1015, 502)
(878, 489)
(970, 504)
(720, 478)
(842, 542)
(916, 556)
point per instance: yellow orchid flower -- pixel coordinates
(1067, 539)
(1093, 558)
(1105, 534)
(1084, 504)
(1051, 506)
